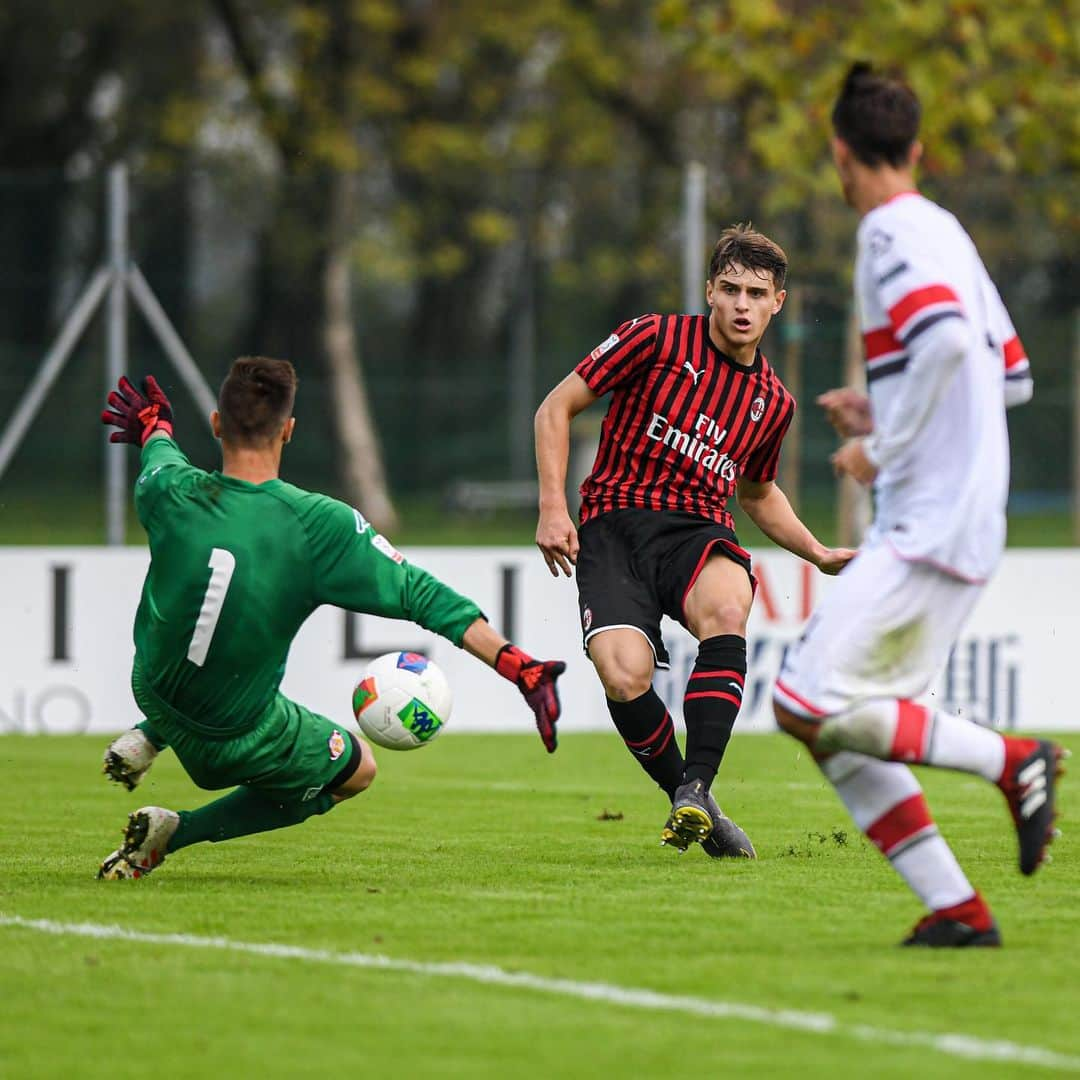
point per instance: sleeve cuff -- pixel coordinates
(871, 449)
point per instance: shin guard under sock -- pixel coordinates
(241, 813)
(712, 702)
(887, 803)
(649, 734)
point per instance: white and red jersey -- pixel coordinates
(943, 482)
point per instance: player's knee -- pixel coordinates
(723, 616)
(366, 771)
(625, 679)
(864, 729)
(624, 685)
(624, 662)
(362, 776)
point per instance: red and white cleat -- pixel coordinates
(1029, 782)
(146, 839)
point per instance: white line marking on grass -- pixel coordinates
(954, 1044)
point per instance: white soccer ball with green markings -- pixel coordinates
(402, 701)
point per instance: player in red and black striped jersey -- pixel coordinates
(697, 414)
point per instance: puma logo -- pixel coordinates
(695, 375)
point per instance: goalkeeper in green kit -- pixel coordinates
(239, 559)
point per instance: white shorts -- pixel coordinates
(884, 630)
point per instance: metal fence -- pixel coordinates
(455, 363)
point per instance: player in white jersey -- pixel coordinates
(943, 360)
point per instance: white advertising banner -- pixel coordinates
(66, 647)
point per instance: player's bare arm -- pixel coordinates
(852, 460)
(556, 534)
(768, 507)
(848, 410)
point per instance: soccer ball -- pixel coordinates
(402, 701)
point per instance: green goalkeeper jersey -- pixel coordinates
(236, 568)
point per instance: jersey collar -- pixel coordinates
(746, 369)
(245, 485)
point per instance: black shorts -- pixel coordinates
(636, 565)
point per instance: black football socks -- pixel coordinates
(649, 734)
(712, 702)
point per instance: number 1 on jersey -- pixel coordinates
(222, 564)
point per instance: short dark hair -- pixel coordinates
(877, 115)
(741, 244)
(256, 399)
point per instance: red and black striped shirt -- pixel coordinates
(685, 421)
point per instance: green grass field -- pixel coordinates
(485, 851)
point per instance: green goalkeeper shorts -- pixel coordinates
(291, 755)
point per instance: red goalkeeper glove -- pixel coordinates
(137, 415)
(536, 681)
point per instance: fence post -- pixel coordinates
(116, 347)
(693, 238)
(110, 283)
(522, 370)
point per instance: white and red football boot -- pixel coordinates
(146, 838)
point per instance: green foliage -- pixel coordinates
(456, 104)
(997, 79)
(516, 163)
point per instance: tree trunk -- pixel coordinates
(362, 467)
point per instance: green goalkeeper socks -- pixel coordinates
(241, 813)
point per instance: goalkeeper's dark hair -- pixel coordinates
(741, 244)
(877, 115)
(256, 399)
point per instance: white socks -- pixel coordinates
(887, 804)
(903, 731)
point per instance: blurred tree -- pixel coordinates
(430, 181)
(999, 82)
(298, 60)
(441, 149)
(74, 93)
